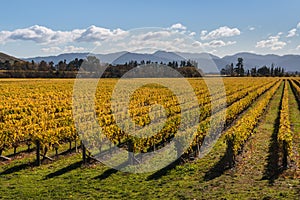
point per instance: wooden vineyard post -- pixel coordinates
(198, 150)
(110, 150)
(56, 150)
(15, 150)
(28, 147)
(38, 153)
(76, 148)
(130, 152)
(83, 153)
(70, 146)
(285, 155)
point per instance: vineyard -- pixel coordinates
(43, 141)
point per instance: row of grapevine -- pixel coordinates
(36, 114)
(239, 133)
(232, 112)
(296, 88)
(39, 112)
(112, 131)
(284, 136)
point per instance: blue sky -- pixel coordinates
(32, 28)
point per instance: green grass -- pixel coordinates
(295, 126)
(67, 178)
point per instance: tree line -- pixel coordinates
(238, 70)
(90, 66)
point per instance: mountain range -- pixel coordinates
(207, 62)
(4, 57)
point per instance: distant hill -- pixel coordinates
(168, 55)
(106, 58)
(159, 56)
(4, 57)
(289, 62)
(61, 57)
(111, 57)
(207, 62)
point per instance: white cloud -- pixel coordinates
(108, 40)
(251, 28)
(66, 49)
(97, 43)
(152, 35)
(230, 43)
(192, 33)
(221, 32)
(73, 49)
(94, 33)
(298, 25)
(39, 34)
(178, 26)
(218, 43)
(197, 44)
(3, 36)
(298, 47)
(203, 33)
(273, 42)
(44, 35)
(292, 33)
(51, 49)
(213, 44)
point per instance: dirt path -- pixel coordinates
(295, 126)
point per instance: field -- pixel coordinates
(256, 155)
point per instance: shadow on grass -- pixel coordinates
(64, 170)
(272, 169)
(296, 95)
(107, 173)
(69, 151)
(164, 171)
(17, 168)
(220, 167)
